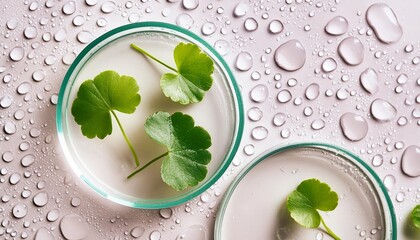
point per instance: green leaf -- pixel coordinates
(185, 163)
(192, 78)
(310, 196)
(96, 100)
(415, 217)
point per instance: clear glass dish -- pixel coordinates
(254, 206)
(104, 164)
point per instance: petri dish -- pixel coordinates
(254, 206)
(105, 164)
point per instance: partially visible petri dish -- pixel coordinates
(254, 206)
(105, 164)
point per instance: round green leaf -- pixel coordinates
(415, 217)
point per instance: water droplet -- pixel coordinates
(12, 23)
(208, 28)
(259, 133)
(75, 201)
(53, 215)
(382, 110)
(91, 2)
(190, 4)
(369, 80)
(290, 56)
(279, 119)
(353, 126)
(389, 181)
(7, 156)
(250, 24)
(351, 50)
(108, 7)
(318, 124)
(384, 23)
(285, 133)
(137, 232)
(259, 93)
(17, 54)
(402, 121)
(402, 79)
(69, 223)
(155, 235)
(68, 58)
(50, 60)
(255, 114)
(244, 61)
(195, 232)
(342, 94)
(9, 128)
(19, 114)
(24, 146)
(102, 22)
(410, 161)
(241, 9)
(377, 160)
(30, 32)
(38, 75)
(337, 26)
(185, 20)
(33, 6)
(6, 102)
(307, 111)
(43, 234)
(284, 96)
(85, 36)
(275, 27)
(165, 213)
(329, 65)
(69, 8)
(24, 88)
(292, 82)
(40, 199)
(60, 35)
(416, 113)
(400, 197)
(222, 47)
(79, 20)
(249, 149)
(20, 210)
(255, 76)
(14, 178)
(312, 91)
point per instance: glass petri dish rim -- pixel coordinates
(390, 221)
(235, 97)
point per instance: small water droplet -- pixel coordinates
(240, 9)
(382, 110)
(20, 210)
(351, 50)
(342, 94)
(389, 181)
(195, 232)
(17, 54)
(24, 146)
(40, 199)
(75, 201)
(410, 161)
(312, 91)
(402, 121)
(255, 114)
(19, 114)
(400, 197)
(108, 7)
(9, 128)
(12, 23)
(53, 215)
(290, 56)
(275, 27)
(384, 23)
(279, 119)
(190, 4)
(38, 75)
(318, 124)
(102, 22)
(79, 20)
(30, 32)
(409, 48)
(137, 232)
(69, 8)
(285, 133)
(292, 82)
(244, 61)
(14, 178)
(353, 126)
(6, 102)
(7, 156)
(284, 96)
(165, 213)
(369, 80)
(402, 79)
(208, 28)
(377, 160)
(91, 2)
(259, 93)
(259, 133)
(155, 235)
(250, 24)
(185, 20)
(222, 47)
(69, 223)
(43, 234)
(85, 36)
(329, 65)
(249, 149)
(60, 35)
(337, 26)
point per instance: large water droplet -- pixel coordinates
(351, 50)
(185, 20)
(284, 96)
(249, 149)
(259, 133)
(53, 215)
(40, 199)
(279, 119)
(12, 23)
(318, 124)
(91, 2)
(69, 8)
(329, 65)
(337, 26)
(137, 232)
(9, 128)
(250, 24)
(275, 27)
(17, 54)
(14, 178)
(79, 20)
(190, 4)
(195, 232)
(38, 75)
(24, 88)
(108, 7)
(241, 9)
(222, 47)
(85, 36)
(69, 223)
(377, 160)
(369, 80)
(290, 56)
(208, 28)
(410, 161)
(255, 114)
(155, 235)
(259, 93)
(7, 156)
(353, 126)
(30, 32)
(20, 210)
(384, 23)
(244, 61)
(60, 35)
(382, 110)
(27, 160)
(43, 234)
(312, 91)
